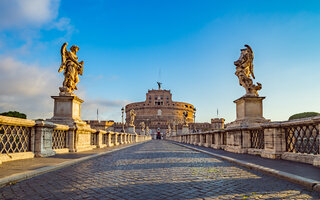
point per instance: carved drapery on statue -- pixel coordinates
(244, 71)
(132, 117)
(72, 68)
(142, 124)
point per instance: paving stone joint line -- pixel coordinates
(14, 178)
(310, 183)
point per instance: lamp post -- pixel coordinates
(194, 119)
(122, 111)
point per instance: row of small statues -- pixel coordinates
(72, 69)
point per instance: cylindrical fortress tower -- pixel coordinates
(158, 110)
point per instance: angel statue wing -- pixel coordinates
(251, 60)
(63, 57)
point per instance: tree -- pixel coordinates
(14, 114)
(303, 115)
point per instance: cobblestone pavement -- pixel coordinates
(155, 170)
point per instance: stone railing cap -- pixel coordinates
(16, 121)
(61, 127)
(102, 131)
(43, 123)
(85, 128)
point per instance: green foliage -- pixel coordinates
(14, 114)
(303, 115)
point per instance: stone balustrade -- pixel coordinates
(296, 140)
(23, 138)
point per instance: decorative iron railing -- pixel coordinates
(302, 139)
(14, 139)
(59, 139)
(257, 138)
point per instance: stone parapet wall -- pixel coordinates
(23, 138)
(296, 140)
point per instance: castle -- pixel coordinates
(159, 111)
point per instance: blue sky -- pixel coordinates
(190, 46)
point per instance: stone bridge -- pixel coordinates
(155, 169)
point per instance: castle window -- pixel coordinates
(168, 98)
(161, 97)
(149, 97)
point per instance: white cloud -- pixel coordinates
(27, 88)
(22, 13)
(29, 80)
(21, 22)
(64, 25)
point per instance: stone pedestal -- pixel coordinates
(143, 132)
(249, 111)
(132, 129)
(185, 130)
(67, 109)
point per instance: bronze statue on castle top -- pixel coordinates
(72, 68)
(244, 71)
(159, 85)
